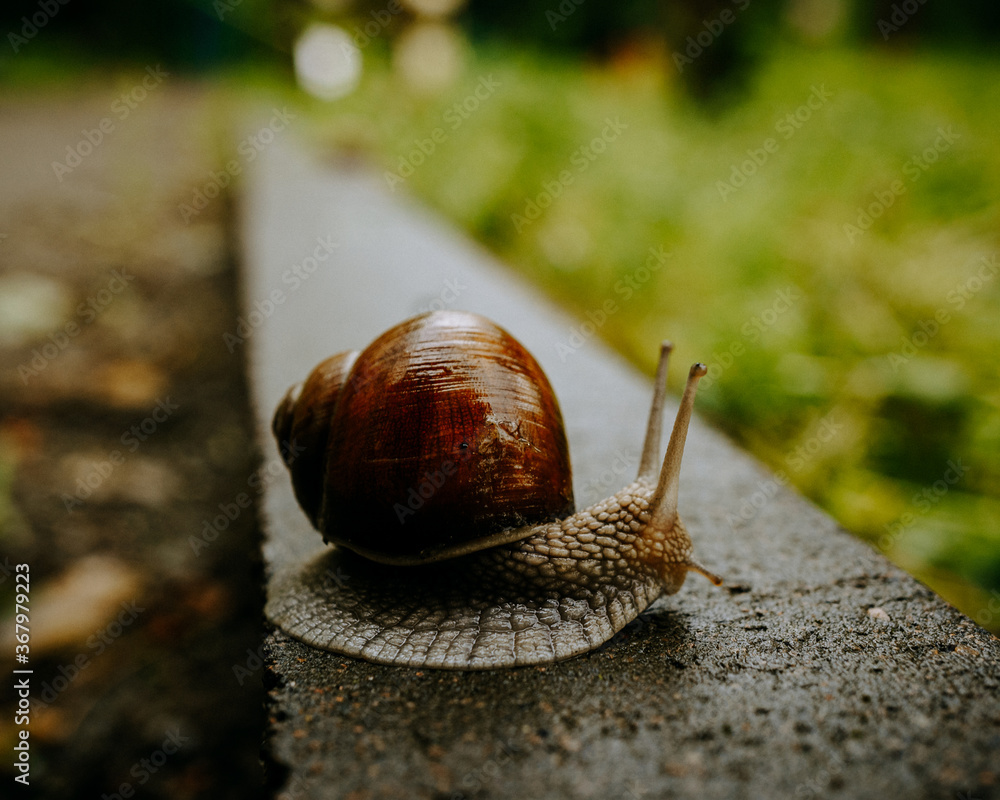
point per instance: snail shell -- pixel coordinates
(436, 440)
(494, 568)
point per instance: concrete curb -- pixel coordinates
(820, 669)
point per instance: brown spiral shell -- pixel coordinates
(439, 435)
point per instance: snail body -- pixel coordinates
(437, 463)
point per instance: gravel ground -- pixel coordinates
(126, 460)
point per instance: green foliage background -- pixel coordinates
(836, 385)
(860, 363)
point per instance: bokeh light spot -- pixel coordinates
(327, 62)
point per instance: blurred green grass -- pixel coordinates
(820, 362)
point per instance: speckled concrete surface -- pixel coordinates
(819, 669)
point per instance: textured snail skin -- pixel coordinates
(566, 589)
(529, 595)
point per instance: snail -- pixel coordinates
(436, 463)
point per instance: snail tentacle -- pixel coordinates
(664, 502)
(650, 460)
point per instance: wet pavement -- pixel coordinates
(818, 669)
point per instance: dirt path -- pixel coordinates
(126, 459)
